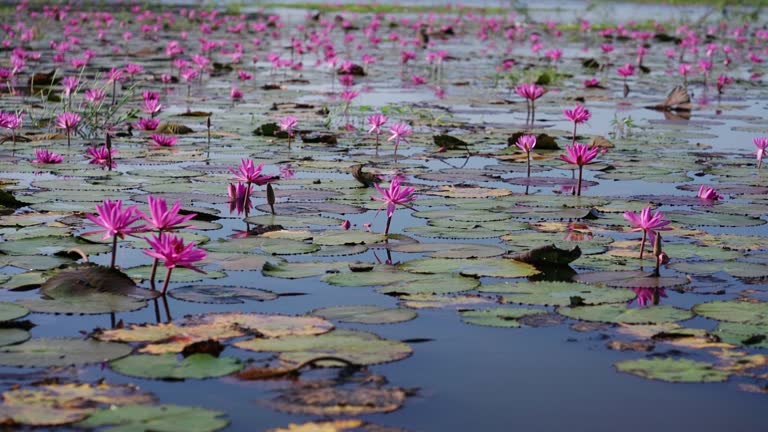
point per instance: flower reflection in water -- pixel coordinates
(648, 296)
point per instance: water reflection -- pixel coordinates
(645, 297)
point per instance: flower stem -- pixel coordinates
(153, 274)
(167, 280)
(574, 132)
(578, 186)
(529, 163)
(114, 251)
(389, 221)
(642, 244)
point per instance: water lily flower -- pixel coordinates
(147, 124)
(286, 171)
(11, 121)
(376, 121)
(648, 222)
(163, 140)
(69, 122)
(346, 225)
(235, 94)
(95, 95)
(580, 155)
(393, 196)
(577, 115)
(174, 253)
(152, 106)
(526, 144)
(708, 194)
(592, 83)
(44, 156)
(530, 92)
(400, 132)
(102, 156)
(161, 218)
(287, 124)
(762, 144)
(249, 173)
(115, 220)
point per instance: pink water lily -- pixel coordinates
(648, 222)
(580, 155)
(400, 132)
(69, 122)
(162, 140)
(44, 156)
(707, 193)
(526, 144)
(287, 124)
(577, 115)
(376, 121)
(762, 145)
(161, 218)
(395, 195)
(147, 124)
(249, 173)
(102, 156)
(116, 221)
(174, 253)
(531, 92)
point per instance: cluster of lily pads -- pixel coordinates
(492, 224)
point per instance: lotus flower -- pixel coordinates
(648, 222)
(43, 156)
(762, 144)
(399, 133)
(577, 115)
(376, 121)
(174, 253)
(580, 155)
(707, 193)
(68, 121)
(527, 143)
(115, 220)
(530, 92)
(394, 196)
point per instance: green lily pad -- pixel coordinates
(744, 334)
(91, 304)
(358, 347)
(432, 301)
(740, 269)
(11, 311)
(490, 267)
(620, 313)
(155, 418)
(498, 317)
(51, 245)
(451, 250)
(11, 336)
(714, 219)
(673, 370)
(558, 293)
(432, 284)
(219, 294)
(45, 352)
(734, 311)
(169, 366)
(304, 269)
(337, 238)
(365, 314)
(179, 274)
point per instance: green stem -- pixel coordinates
(578, 186)
(167, 280)
(153, 274)
(114, 251)
(389, 221)
(642, 244)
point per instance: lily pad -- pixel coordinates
(155, 418)
(331, 401)
(336, 238)
(498, 317)
(365, 314)
(673, 370)
(360, 348)
(558, 293)
(218, 294)
(11, 311)
(620, 313)
(45, 352)
(734, 311)
(271, 326)
(432, 284)
(169, 366)
(490, 267)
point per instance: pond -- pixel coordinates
(382, 217)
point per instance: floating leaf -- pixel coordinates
(219, 294)
(498, 317)
(155, 418)
(330, 401)
(745, 334)
(268, 325)
(431, 301)
(740, 269)
(620, 313)
(336, 238)
(45, 352)
(11, 311)
(360, 348)
(673, 370)
(630, 279)
(490, 267)
(92, 304)
(734, 311)
(169, 366)
(558, 293)
(10, 336)
(432, 284)
(170, 337)
(305, 269)
(365, 314)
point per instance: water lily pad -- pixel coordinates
(630, 279)
(432, 301)
(365, 314)
(11, 336)
(271, 326)
(336, 238)
(331, 401)
(558, 293)
(169, 337)
(490, 267)
(180, 274)
(169, 366)
(91, 304)
(11, 311)
(219, 294)
(498, 317)
(744, 334)
(45, 352)
(740, 269)
(358, 347)
(673, 370)
(305, 269)
(714, 219)
(432, 284)
(156, 418)
(734, 311)
(620, 313)
(451, 250)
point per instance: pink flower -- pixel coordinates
(684, 69)
(44, 156)
(239, 197)
(418, 79)
(648, 222)
(394, 196)
(376, 121)
(287, 124)
(174, 253)
(348, 95)
(648, 296)
(147, 124)
(101, 156)
(346, 225)
(152, 106)
(69, 83)
(163, 140)
(133, 69)
(115, 220)
(248, 173)
(708, 194)
(399, 133)
(526, 142)
(627, 70)
(762, 144)
(579, 154)
(554, 54)
(11, 121)
(235, 94)
(529, 91)
(244, 76)
(94, 95)
(286, 171)
(606, 48)
(68, 121)
(578, 114)
(722, 81)
(162, 219)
